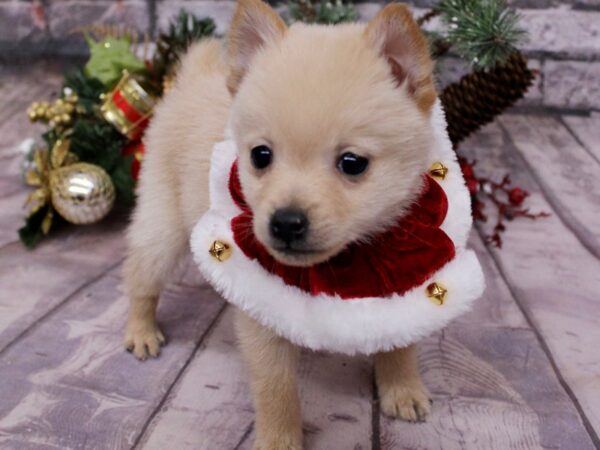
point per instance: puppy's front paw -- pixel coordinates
(409, 402)
(277, 443)
(143, 339)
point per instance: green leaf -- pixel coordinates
(31, 233)
(109, 57)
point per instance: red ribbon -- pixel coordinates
(126, 108)
(393, 262)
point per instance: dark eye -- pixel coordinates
(261, 156)
(352, 164)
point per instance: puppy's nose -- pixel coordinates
(289, 225)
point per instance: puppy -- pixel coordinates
(332, 127)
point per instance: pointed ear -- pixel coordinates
(398, 38)
(254, 25)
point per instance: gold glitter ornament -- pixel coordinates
(220, 250)
(81, 193)
(438, 170)
(56, 114)
(437, 293)
(44, 162)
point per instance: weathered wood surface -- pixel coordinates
(587, 131)
(71, 384)
(491, 383)
(520, 371)
(336, 394)
(567, 173)
(554, 278)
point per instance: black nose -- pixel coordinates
(289, 225)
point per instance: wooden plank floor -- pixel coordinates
(521, 371)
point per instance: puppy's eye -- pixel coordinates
(261, 156)
(352, 164)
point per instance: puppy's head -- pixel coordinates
(331, 124)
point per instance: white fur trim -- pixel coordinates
(324, 322)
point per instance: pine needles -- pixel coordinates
(483, 32)
(320, 11)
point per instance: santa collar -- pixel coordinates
(392, 262)
(403, 285)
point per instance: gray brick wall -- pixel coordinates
(564, 36)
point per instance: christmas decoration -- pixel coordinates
(81, 193)
(41, 214)
(437, 293)
(220, 250)
(128, 107)
(321, 11)
(135, 149)
(56, 114)
(99, 119)
(388, 292)
(109, 57)
(507, 200)
(483, 32)
(438, 170)
(183, 31)
(481, 96)
(28, 148)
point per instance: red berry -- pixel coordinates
(517, 195)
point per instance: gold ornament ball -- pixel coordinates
(82, 193)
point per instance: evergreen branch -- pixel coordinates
(484, 32)
(322, 11)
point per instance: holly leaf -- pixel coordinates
(31, 233)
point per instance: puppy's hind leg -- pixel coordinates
(272, 362)
(156, 243)
(401, 392)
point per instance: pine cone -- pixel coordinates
(477, 98)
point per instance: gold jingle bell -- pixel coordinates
(437, 293)
(220, 250)
(438, 170)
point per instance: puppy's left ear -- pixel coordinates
(398, 38)
(254, 25)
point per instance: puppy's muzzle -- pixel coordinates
(289, 225)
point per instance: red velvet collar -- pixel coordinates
(393, 262)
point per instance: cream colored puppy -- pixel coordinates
(331, 123)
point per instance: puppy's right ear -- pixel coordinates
(254, 25)
(398, 38)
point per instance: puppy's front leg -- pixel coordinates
(272, 362)
(401, 392)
